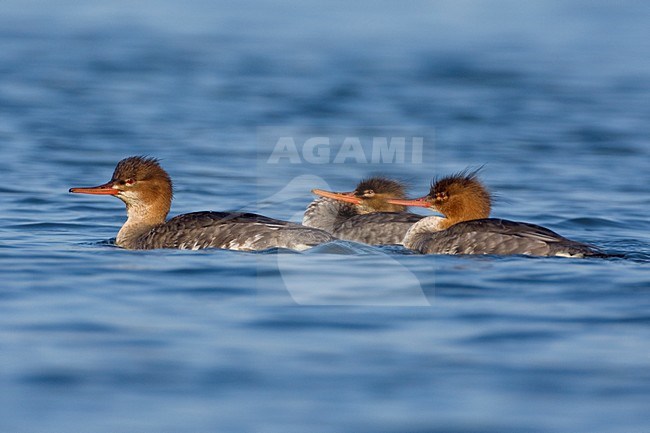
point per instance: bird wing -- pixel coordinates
(378, 228)
(497, 236)
(232, 230)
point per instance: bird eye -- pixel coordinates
(129, 182)
(368, 193)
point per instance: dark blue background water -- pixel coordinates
(553, 95)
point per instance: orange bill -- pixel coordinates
(417, 202)
(347, 197)
(105, 189)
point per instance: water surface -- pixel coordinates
(552, 96)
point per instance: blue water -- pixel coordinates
(553, 96)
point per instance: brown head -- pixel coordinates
(459, 197)
(142, 184)
(370, 195)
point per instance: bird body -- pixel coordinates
(362, 215)
(494, 236)
(467, 229)
(147, 191)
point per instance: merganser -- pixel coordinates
(363, 215)
(146, 189)
(467, 229)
